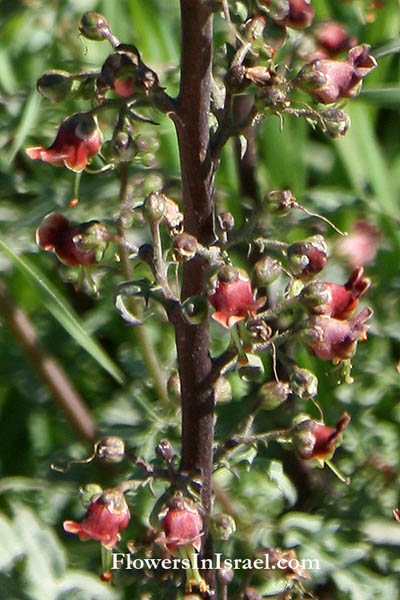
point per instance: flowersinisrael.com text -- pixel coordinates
(126, 561)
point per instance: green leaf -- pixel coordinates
(382, 96)
(62, 312)
(28, 121)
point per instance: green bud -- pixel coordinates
(273, 393)
(266, 270)
(281, 201)
(222, 527)
(222, 390)
(195, 309)
(250, 367)
(316, 293)
(336, 122)
(94, 236)
(174, 386)
(55, 85)
(303, 383)
(154, 207)
(124, 148)
(88, 491)
(94, 26)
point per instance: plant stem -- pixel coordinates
(192, 341)
(47, 368)
(141, 335)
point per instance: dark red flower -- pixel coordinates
(299, 16)
(74, 244)
(329, 80)
(331, 339)
(233, 298)
(182, 524)
(316, 440)
(336, 301)
(77, 140)
(107, 515)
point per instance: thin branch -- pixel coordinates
(141, 335)
(47, 368)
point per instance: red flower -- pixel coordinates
(336, 301)
(182, 524)
(124, 87)
(316, 440)
(333, 37)
(74, 244)
(77, 140)
(107, 515)
(331, 339)
(329, 80)
(396, 514)
(233, 298)
(359, 247)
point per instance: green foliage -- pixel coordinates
(348, 529)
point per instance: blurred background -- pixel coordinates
(354, 181)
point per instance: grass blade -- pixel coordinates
(62, 312)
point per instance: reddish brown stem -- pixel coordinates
(47, 368)
(198, 189)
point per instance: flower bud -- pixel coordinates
(124, 148)
(55, 85)
(303, 383)
(222, 527)
(281, 201)
(195, 309)
(251, 367)
(174, 386)
(111, 449)
(185, 247)
(225, 574)
(222, 390)
(146, 253)
(94, 26)
(300, 15)
(336, 122)
(88, 492)
(165, 450)
(226, 221)
(266, 270)
(119, 71)
(154, 207)
(273, 393)
(307, 257)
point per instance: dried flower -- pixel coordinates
(77, 140)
